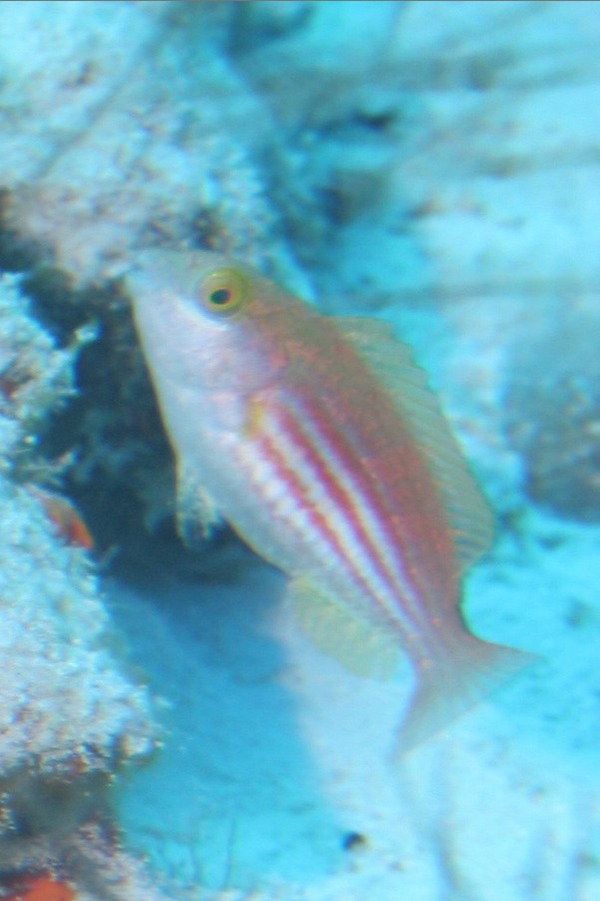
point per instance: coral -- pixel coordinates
(36, 377)
(148, 135)
(43, 888)
(552, 412)
(85, 864)
(102, 869)
(68, 715)
(64, 516)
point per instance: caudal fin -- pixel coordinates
(445, 691)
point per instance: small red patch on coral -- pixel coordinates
(43, 888)
(64, 516)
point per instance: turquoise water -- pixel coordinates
(429, 163)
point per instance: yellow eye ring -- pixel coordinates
(223, 291)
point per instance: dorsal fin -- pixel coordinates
(406, 384)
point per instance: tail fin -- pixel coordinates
(446, 691)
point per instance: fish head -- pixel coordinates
(209, 324)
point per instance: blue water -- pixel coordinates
(430, 163)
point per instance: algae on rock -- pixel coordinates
(69, 714)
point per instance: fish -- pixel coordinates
(318, 440)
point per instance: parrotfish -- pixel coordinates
(319, 441)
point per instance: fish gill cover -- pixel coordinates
(433, 163)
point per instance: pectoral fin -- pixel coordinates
(196, 513)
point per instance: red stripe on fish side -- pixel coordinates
(312, 451)
(324, 536)
(367, 507)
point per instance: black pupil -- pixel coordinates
(220, 297)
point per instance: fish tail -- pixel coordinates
(446, 690)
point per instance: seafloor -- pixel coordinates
(166, 731)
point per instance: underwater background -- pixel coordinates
(166, 731)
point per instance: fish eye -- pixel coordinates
(223, 291)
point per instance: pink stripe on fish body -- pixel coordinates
(360, 501)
